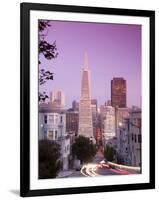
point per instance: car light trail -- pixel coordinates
(119, 171)
(89, 170)
(82, 170)
(124, 166)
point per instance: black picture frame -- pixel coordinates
(25, 9)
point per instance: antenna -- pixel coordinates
(85, 61)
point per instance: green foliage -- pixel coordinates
(49, 163)
(83, 149)
(109, 153)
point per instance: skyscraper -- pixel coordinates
(109, 123)
(72, 119)
(118, 92)
(94, 115)
(85, 112)
(75, 105)
(58, 99)
(94, 102)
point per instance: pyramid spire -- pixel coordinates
(85, 61)
(85, 127)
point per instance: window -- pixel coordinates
(61, 119)
(56, 119)
(128, 125)
(132, 137)
(55, 135)
(45, 135)
(139, 138)
(45, 119)
(50, 135)
(51, 119)
(135, 138)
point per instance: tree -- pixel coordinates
(48, 51)
(109, 153)
(120, 159)
(83, 149)
(49, 159)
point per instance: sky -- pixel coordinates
(113, 50)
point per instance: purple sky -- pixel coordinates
(114, 50)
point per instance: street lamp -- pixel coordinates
(91, 139)
(120, 124)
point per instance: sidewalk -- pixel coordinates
(66, 173)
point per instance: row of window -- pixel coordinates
(136, 138)
(52, 119)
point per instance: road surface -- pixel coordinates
(96, 169)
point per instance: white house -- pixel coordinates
(52, 126)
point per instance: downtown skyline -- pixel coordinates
(110, 54)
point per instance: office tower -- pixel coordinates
(109, 123)
(94, 116)
(72, 120)
(75, 105)
(58, 99)
(118, 92)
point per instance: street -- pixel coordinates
(96, 168)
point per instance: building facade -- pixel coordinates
(109, 123)
(52, 126)
(118, 92)
(129, 139)
(120, 115)
(58, 99)
(75, 105)
(134, 151)
(123, 143)
(72, 120)
(94, 116)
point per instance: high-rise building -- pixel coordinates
(108, 103)
(94, 115)
(58, 99)
(109, 123)
(72, 119)
(94, 102)
(85, 111)
(75, 105)
(118, 92)
(121, 114)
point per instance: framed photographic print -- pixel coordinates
(87, 99)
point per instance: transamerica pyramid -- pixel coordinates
(85, 112)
